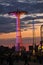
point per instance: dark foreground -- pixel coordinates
(22, 63)
(22, 57)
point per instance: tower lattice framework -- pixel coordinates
(18, 29)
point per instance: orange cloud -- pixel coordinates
(7, 35)
(28, 33)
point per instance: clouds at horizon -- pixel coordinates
(9, 24)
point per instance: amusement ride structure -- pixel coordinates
(18, 29)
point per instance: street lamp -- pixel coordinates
(34, 38)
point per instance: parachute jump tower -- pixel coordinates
(18, 29)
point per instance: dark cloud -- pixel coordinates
(7, 28)
(31, 18)
(35, 22)
(9, 24)
(4, 20)
(29, 7)
(26, 1)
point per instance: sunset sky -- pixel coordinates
(8, 22)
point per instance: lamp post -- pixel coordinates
(41, 42)
(33, 38)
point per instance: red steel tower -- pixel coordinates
(18, 29)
